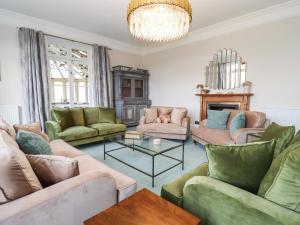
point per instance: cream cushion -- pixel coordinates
(151, 115)
(17, 178)
(34, 127)
(52, 169)
(8, 128)
(177, 115)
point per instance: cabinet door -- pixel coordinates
(140, 111)
(129, 114)
(126, 88)
(139, 88)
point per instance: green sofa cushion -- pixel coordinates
(173, 192)
(107, 115)
(283, 136)
(77, 116)
(108, 128)
(296, 138)
(91, 115)
(63, 117)
(238, 122)
(77, 133)
(32, 144)
(285, 189)
(217, 119)
(274, 169)
(243, 166)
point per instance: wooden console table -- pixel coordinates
(243, 99)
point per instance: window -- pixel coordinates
(69, 68)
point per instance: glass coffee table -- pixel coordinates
(146, 146)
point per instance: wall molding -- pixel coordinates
(10, 18)
(260, 17)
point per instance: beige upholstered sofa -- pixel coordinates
(72, 201)
(169, 131)
(255, 123)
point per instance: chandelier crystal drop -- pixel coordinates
(159, 20)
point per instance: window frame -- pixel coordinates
(69, 45)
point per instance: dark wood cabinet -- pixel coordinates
(131, 88)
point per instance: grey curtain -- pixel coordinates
(35, 79)
(101, 83)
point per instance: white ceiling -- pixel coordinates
(108, 17)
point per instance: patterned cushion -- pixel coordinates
(151, 115)
(31, 143)
(177, 115)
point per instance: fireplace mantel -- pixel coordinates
(243, 99)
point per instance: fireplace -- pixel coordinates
(221, 106)
(221, 101)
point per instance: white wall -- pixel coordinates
(272, 52)
(10, 84)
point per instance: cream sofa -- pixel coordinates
(74, 200)
(161, 130)
(255, 123)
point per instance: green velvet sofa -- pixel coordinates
(79, 126)
(219, 203)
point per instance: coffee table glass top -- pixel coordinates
(146, 145)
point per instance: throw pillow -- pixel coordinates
(238, 122)
(150, 115)
(31, 143)
(285, 189)
(63, 117)
(52, 169)
(243, 166)
(7, 128)
(91, 115)
(282, 135)
(217, 119)
(34, 128)
(107, 115)
(274, 169)
(17, 178)
(165, 119)
(164, 111)
(296, 138)
(77, 116)
(177, 115)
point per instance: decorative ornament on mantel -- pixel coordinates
(159, 20)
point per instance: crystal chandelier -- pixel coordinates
(159, 20)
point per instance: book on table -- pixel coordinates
(133, 135)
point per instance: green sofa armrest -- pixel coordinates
(118, 121)
(52, 129)
(219, 203)
(173, 192)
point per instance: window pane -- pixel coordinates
(56, 50)
(80, 71)
(80, 74)
(82, 92)
(59, 69)
(79, 54)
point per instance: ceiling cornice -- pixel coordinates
(260, 17)
(14, 19)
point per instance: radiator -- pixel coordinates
(10, 113)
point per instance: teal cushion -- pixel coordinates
(285, 189)
(283, 136)
(32, 144)
(217, 119)
(107, 115)
(243, 166)
(273, 170)
(238, 122)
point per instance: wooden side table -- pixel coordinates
(144, 208)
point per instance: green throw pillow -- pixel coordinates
(243, 166)
(238, 122)
(296, 138)
(285, 189)
(107, 115)
(91, 115)
(282, 135)
(32, 144)
(77, 116)
(217, 119)
(63, 117)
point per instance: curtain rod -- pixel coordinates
(50, 35)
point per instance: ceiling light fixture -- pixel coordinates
(159, 20)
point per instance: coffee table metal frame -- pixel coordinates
(144, 150)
